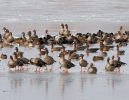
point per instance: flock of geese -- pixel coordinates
(78, 41)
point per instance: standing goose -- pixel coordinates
(25, 60)
(82, 62)
(109, 67)
(38, 63)
(65, 63)
(17, 51)
(48, 59)
(66, 30)
(92, 70)
(61, 32)
(119, 52)
(34, 36)
(117, 63)
(19, 61)
(12, 63)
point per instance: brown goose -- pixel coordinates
(109, 67)
(66, 51)
(82, 62)
(91, 50)
(40, 52)
(72, 56)
(117, 63)
(66, 30)
(12, 63)
(25, 60)
(96, 58)
(61, 32)
(3, 56)
(91, 69)
(48, 59)
(38, 63)
(10, 38)
(119, 52)
(65, 63)
(101, 53)
(1, 43)
(55, 48)
(17, 51)
(34, 36)
(19, 61)
(75, 47)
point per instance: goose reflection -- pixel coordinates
(15, 82)
(65, 81)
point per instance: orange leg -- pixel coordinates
(85, 69)
(46, 68)
(115, 70)
(66, 70)
(118, 70)
(39, 69)
(51, 67)
(36, 69)
(26, 67)
(81, 69)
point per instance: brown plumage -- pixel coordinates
(92, 69)
(82, 62)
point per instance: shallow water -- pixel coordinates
(81, 16)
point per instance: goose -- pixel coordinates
(82, 62)
(12, 63)
(72, 56)
(119, 52)
(48, 59)
(92, 69)
(65, 63)
(38, 63)
(109, 67)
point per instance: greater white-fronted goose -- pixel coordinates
(24, 59)
(96, 58)
(109, 67)
(19, 61)
(48, 59)
(66, 30)
(82, 62)
(17, 51)
(66, 51)
(12, 63)
(119, 52)
(75, 47)
(34, 36)
(10, 38)
(1, 43)
(117, 63)
(61, 32)
(72, 56)
(40, 52)
(101, 53)
(92, 69)
(91, 50)
(55, 48)
(65, 63)
(3, 56)
(38, 63)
